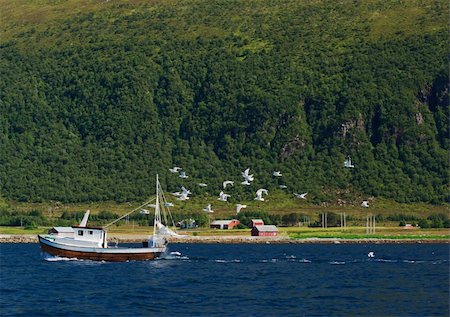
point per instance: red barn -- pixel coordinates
(265, 231)
(256, 222)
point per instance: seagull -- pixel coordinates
(167, 204)
(144, 212)
(365, 204)
(247, 177)
(301, 196)
(151, 205)
(176, 194)
(277, 174)
(371, 254)
(239, 207)
(184, 191)
(259, 194)
(348, 163)
(225, 183)
(175, 169)
(208, 209)
(183, 175)
(183, 197)
(202, 184)
(283, 186)
(223, 196)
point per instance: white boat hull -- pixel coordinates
(51, 246)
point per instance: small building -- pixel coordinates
(256, 222)
(62, 231)
(224, 224)
(264, 231)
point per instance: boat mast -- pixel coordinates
(157, 211)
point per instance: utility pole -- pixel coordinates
(370, 224)
(343, 221)
(324, 220)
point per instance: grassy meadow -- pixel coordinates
(276, 204)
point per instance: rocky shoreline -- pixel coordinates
(32, 238)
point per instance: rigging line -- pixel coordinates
(168, 209)
(129, 213)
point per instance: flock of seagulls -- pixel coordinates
(248, 178)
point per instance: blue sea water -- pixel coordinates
(232, 280)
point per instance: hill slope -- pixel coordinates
(98, 96)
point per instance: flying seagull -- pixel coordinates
(247, 177)
(223, 196)
(167, 204)
(283, 186)
(301, 196)
(277, 174)
(365, 204)
(183, 175)
(208, 209)
(259, 194)
(225, 183)
(202, 184)
(175, 169)
(348, 163)
(144, 212)
(371, 254)
(183, 197)
(239, 207)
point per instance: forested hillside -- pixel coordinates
(98, 96)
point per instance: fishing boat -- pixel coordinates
(89, 242)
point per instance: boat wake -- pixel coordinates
(174, 255)
(54, 258)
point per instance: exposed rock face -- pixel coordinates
(419, 118)
(347, 126)
(289, 148)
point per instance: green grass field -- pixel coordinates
(292, 232)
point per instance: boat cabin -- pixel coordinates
(90, 234)
(61, 231)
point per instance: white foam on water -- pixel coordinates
(384, 260)
(51, 258)
(174, 257)
(228, 261)
(304, 261)
(337, 262)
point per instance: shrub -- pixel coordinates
(423, 223)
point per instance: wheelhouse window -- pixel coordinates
(91, 232)
(80, 232)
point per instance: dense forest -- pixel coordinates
(96, 97)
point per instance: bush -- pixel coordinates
(423, 223)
